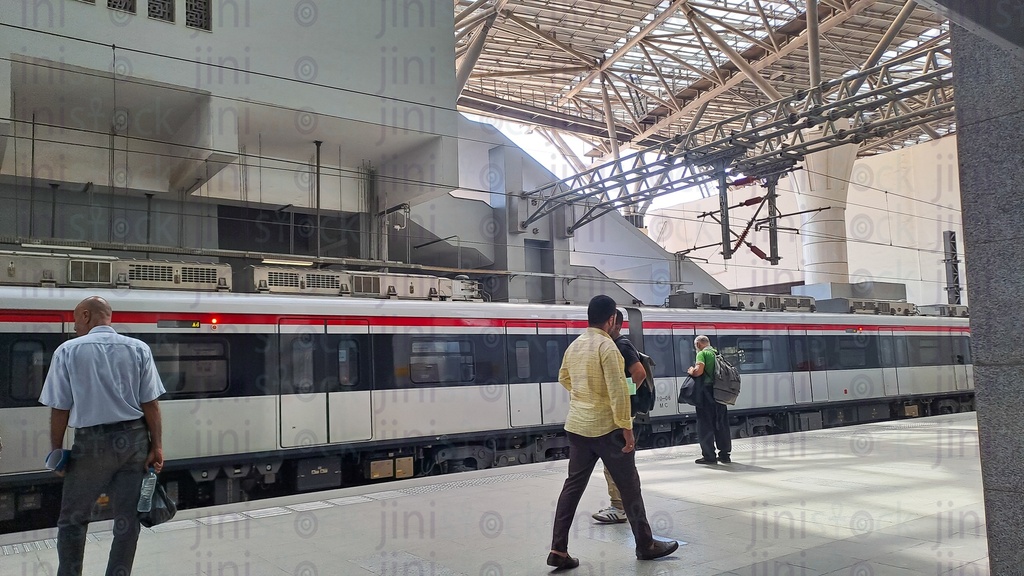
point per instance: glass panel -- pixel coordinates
(522, 359)
(302, 364)
(886, 351)
(348, 364)
(553, 353)
(28, 370)
(755, 354)
(441, 361)
(659, 348)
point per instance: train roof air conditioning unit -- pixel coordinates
(171, 275)
(947, 310)
(862, 306)
(798, 304)
(282, 280)
(695, 300)
(755, 302)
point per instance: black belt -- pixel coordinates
(113, 427)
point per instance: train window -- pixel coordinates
(686, 351)
(302, 358)
(191, 367)
(809, 353)
(755, 354)
(963, 349)
(348, 364)
(522, 359)
(925, 350)
(855, 352)
(28, 369)
(899, 344)
(886, 351)
(726, 345)
(553, 353)
(659, 347)
(439, 361)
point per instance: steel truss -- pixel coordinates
(872, 105)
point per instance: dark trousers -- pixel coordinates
(108, 463)
(713, 428)
(584, 453)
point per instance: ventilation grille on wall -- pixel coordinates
(197, 14)
(126, 5)
(161, 10)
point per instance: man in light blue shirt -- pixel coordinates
(106, 387)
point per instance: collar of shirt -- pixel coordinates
(102, 329)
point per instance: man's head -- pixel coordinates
(90, 313)
(701, 342)
(601, 312)
(616, 330)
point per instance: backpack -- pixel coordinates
(727, 381)
(643, 401)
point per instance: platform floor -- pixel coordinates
(889, 499)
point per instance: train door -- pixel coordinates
(887, 358)
(535, 351)
(303, 401)
(809, 364)
(347, 379)
(960, 360)
(27, 342)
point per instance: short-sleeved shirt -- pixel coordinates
(101, 377)
(629, 353)
(592, 371)
(707, 356)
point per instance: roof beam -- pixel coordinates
(813, 36)
(623, 50)
(793, 45)
(887, 38)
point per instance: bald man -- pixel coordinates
(105, 386)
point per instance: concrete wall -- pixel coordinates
(375, 81)
(899, 204)
(990, 119)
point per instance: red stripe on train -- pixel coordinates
(34, 316)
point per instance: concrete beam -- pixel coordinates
(998, 21)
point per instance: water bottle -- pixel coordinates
(146, 494)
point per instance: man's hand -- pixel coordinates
(155, 459)
(630, 442)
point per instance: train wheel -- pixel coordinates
(661, 440)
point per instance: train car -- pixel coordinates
(270, 394)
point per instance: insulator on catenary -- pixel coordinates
(757, 251)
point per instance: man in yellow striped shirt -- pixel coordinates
(599, 427)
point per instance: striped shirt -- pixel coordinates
(594, 374)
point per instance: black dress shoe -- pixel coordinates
(705, 461)
(724, 459)
(657, 550)
(562, 562)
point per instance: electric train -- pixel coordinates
(269, 393)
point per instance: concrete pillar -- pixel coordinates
(990, 124)
(506, 183)
(824, 181)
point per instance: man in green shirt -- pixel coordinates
(712, 417)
